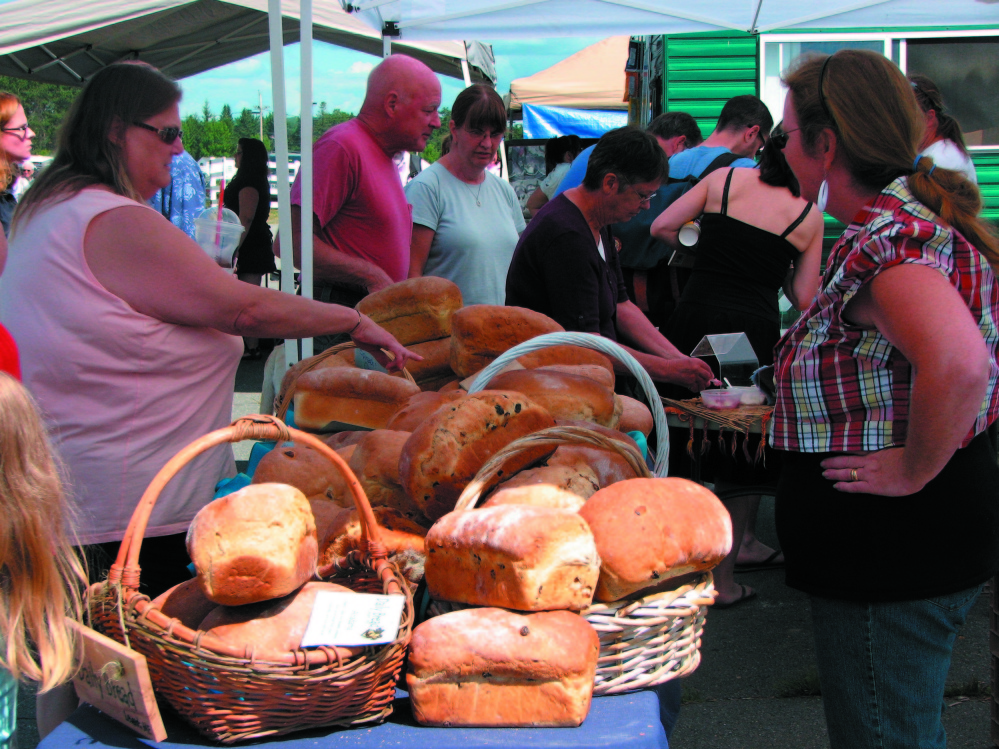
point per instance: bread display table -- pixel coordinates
(627, 721)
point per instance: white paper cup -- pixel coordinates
(689, 233)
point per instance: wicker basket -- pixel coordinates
(644, 641)
(283, 400)
(234, 694)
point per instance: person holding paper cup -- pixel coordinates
(129, 333)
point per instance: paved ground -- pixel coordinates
(756, 686)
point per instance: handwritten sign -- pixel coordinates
(115, 679)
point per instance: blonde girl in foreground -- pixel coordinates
(40, 576)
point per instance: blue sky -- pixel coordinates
(339, 75)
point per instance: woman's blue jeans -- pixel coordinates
(883, 668)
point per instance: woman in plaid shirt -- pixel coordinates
(888, 505)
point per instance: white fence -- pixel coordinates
(217, 168)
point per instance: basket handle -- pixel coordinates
(604, 346)
(487, 476)
(262, 428)
(285, 398)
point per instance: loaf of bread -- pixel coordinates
(513, 556)
(340, 440)
(493, 668)
(565, 355)
(186, 603)
(436, 360)
(416, 310)
(446, 451)
(253, 545)
(343, 358)
(418, 408)
(563, 395)
(481, 332)
(635, 416)
(537, 495)
(375, 462)
(608, 465)
(578, 479)
(594, 371)
(357, 397)
(297, 465)
(650, 530)
(325, 511)
(271, 627)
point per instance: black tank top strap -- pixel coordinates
(794, 225)
(728, 183)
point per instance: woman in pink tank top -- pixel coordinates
(129, 333)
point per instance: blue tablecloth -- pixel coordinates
(628, 721)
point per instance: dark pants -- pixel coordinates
(347, 296)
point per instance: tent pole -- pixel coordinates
(465, 73)
(275, 27)
(386, 46)
(306, 156)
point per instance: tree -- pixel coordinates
(45, 106)
(432, 151)
(206, 112)
(193, 135)
(226, 115)
(218, 138)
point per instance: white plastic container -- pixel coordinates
(721, 399)
(219, 238)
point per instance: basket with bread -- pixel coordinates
(224, 649)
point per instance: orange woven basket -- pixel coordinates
(235, 694)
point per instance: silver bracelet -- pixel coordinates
(357, 324)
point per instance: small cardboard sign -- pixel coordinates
(353, 619)
(115, 679)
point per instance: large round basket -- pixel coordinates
(232, 693)
(643, 641)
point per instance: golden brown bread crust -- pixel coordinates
(415, 310)
(299, 466)
(564, 395)
(186, 603)
(565, 355)
(272, 626)
(578, 479)
(650, 530)
(351, 396)
(344, 358)
(436, 362)
(536, 495)
(375, 462)
(253, 545)
(325, 511)
(418, 408)
(481, 332)
(635, 416)
(446, 451)
(594, 371)
(608, 465)
(514, 556)
(489, 667)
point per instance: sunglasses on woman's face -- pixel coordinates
(779, 137)
(167, 134)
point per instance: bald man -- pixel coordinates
(362, 224)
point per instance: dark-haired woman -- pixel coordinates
(248, 195)
(128, 331)
(466, 220)
(559, 153)
(943, 140)
(757, 236)
(885, 388)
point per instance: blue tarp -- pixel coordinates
(551, 122)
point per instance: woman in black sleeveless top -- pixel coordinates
(757, 236)
(249, 196)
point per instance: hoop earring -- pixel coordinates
(823, 198)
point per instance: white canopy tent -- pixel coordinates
(67, 41)
(514, 19)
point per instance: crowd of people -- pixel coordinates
(128, 335)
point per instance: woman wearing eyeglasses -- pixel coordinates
(757, 236)
(466, 220)
(129, 333)
(566, 264)
(15, 148)
(885, 389)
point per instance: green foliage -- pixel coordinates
(432, 151)
(515, 133)
(45, 105)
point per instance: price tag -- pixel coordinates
(353, 619)
(115, 679)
